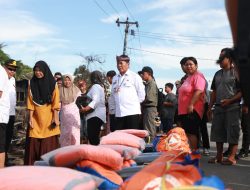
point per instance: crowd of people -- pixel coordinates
(63, 112)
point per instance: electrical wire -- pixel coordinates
(182, 38)
(113, 7)
(167, 54)
(128, 10)
(186, 41)
(188, 36)
(100, 7)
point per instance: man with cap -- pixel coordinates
(11, 66)
(149, 105)
(127, 93)
(6, 71)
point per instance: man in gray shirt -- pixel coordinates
(225, 97)
(149, 106)
(169, 108)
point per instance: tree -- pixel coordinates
(23, 71)
(83, 71)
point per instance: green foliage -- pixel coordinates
(23, 71)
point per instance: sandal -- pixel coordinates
(214, 160)
(228, 162)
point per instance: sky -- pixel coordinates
(59, 31)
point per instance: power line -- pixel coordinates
(182, 38)
(185, 41)
(128, 10)
(167, 54)
(117, 15)
(188, 36)
(113, 7)
(100, 7)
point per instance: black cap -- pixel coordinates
(148, 70)
(11, 63)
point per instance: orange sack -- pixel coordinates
(163, 173)
(103, 170)
(175, 139)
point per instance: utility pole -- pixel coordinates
(127, 24)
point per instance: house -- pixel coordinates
(21, 91)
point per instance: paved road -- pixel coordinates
(236, 177)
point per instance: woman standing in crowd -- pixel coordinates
(43, 105)
(191, 101)
(69, 115)
(97, 117)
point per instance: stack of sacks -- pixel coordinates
(96, 160)
(128, 153)
(168, 174)
(39, 178)
(175, 139)
(129, 141)
(125, 137)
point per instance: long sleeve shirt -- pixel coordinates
(127, 93)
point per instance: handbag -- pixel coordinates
(83, 101)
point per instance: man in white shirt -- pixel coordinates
(11, 66)
(5, 71)
(127, 93)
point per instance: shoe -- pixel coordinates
(228, 162)
(226, 153)
(206, 152)
(242, 154)
(215, 160)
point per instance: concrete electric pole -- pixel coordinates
(127, 24)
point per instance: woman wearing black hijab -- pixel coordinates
(43, 104)
(97, 117)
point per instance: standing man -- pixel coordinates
(149, 105)
(169, 108)
(4, 108)
(127, 93)
(226, 96)
(11, 66)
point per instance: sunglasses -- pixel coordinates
(11, 69)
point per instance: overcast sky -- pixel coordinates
(57, 31)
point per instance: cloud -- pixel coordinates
(164, 4)
(22, 26)
(112, 18)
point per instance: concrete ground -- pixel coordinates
(236, 177)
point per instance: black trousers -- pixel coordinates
(93, 129)
(112, 122)
(128, 122)
(9, 132)
(245, 126)
(203, 129)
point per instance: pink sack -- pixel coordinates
(68, 156)
(136, 132)
(123, 139)
(126, 152)
(42, 177)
